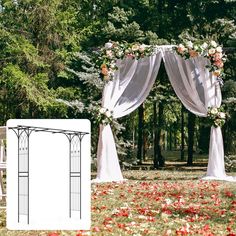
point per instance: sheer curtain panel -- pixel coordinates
(198, 89)
(128, 90)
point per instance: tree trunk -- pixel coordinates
(204, 137)
(159, 160)
(144, 145)
(191, 126)
(133, 133)
(182, 134)
(175, 138)
(170, 138)
(155, 156)
(140, 134)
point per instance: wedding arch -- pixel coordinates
(195, 71)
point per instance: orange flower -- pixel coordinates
(216, 73)
(103, 65)
(193, 53)
(104, 69)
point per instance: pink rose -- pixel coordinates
(181, 48)
(218, 56)
(130, 55)
(219, 63)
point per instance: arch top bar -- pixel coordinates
(51, 130)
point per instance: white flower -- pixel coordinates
(204, 45)
(102, 110)
(189, 44)
(113, 65)
(219, 49)
(187, 227)
(134, 223)
(196, 47)
(222, 115)
(214, 111)
(211, 51)
(109, 53)
(135, 47)
(108, 45)
(108, 114)
(142, 217)
(115, 211)
(168, 201)
(213, 44)
(142, 47)
(119, 53)
(111, 74)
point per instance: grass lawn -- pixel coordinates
(161, 202)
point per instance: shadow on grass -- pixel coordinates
(173, 171)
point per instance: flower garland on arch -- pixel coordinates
(214, 53)
(108, 55)
(210, 50)
(112, 51)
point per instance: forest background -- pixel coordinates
(47, 68)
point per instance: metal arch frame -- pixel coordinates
(74, 174)
(71, 135)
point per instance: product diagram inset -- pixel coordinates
(74, 141)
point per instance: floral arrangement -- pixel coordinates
(108, 55)
(210, 50)
(216, 116)
(105, 116)
(115, 50)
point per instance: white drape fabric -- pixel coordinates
(128, 90)
(198, 89)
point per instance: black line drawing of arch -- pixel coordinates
(75, 150)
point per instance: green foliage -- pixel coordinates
(36, 39)
(46, 66)
(26, 96)
(229, 91)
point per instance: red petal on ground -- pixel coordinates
(96, 229)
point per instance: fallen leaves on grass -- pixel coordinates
(164, 208)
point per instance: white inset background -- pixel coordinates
(48, 177)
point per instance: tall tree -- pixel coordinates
(191, 129)
(140, 145)
(182, 134)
